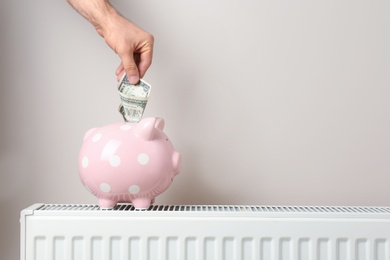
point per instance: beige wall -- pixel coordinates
(269, 102)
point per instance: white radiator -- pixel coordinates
(56, 232)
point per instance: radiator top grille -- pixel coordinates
(222, 208)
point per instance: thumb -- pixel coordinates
(130, 69)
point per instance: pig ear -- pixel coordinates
(89, 132)
(145, 128)
(160, 123)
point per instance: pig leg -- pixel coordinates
(107, 203)
(141, 203)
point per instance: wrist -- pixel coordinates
(103, 17)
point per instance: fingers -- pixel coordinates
(120, 75)
(145, 62)
(119, 69)
(146, 56)
(119, 72)
(130, 69)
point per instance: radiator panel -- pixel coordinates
(324, 233)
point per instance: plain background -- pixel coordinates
(269, 102)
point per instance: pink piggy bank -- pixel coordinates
(128, 162)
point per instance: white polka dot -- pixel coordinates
(143, 158)
(126, 127)
(105, 187)
(134, 189)
(85, 162)
(96, 137)
(115, 161)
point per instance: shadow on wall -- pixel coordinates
(13, 185)
(3, 66)
(5, 218)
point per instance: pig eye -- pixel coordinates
(166, 139)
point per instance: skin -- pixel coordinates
(133, 45)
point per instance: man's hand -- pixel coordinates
(133, 45)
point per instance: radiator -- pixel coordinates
(186, 232)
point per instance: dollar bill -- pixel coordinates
(133, 99)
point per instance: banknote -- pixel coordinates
(133, 99)
(121, 110)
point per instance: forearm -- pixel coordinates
(97, 12)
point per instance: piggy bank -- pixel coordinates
(128, 162)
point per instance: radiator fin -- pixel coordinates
(59, 248)
(191, 250)
(323, 249)
(304, 249)
(208, 248)
(134, 248)
(285, 249)
(267, 249)
(40, 245)
(97, 248)
(223, 208)
(78, 249)
(343, 249)
(172, 248)
(228, 248)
